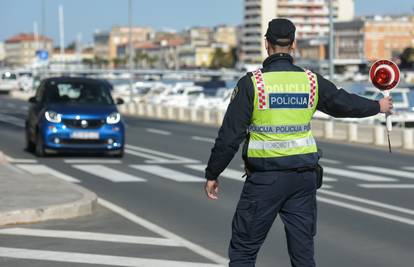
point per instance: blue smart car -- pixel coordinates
(70, 114)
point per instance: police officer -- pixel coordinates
(271, 109)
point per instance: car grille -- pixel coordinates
(83, 142)
(77, 124)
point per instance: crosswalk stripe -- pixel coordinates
(357, 175)
(329, 161)
(388, 186)
(43, 169)
(168, 173)
(16, 160)
(154, 241)
(86, 258)
(108, 173)
(366, 201)
(12, 120)
(156, 131)
(99, 161)
(408, 168)
(157, 156)
(381, 170)
(227, 173)
(329, 179)
(203, 139)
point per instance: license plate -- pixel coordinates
(85, 135)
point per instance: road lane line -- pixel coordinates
(98, 161)
(108, 173)
(168, 173)
(86, 258)
(329, 161)
(381, 170)
(43, 169)
(367, 201)
(16, 160)
(366, 210)
(227, 173)
(409, 168)
(387, 186)
(203, 139)
(164, 233)
(155, 155)
(12, 120)
(357, 175)
(155, 241)
(156, 131)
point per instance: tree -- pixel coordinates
(223, 60)
(71, 46)
(407, 58)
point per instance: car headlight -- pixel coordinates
(53, 116)
(113, 118)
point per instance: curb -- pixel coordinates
(84, 206)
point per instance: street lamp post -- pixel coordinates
(130, 54)
(331, 41)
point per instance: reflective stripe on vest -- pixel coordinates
(270, 145)
(279, 129)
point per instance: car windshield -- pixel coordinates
(84, 93)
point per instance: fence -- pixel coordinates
(329, 129)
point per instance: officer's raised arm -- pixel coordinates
(341, 104)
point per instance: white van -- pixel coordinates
(8, 82)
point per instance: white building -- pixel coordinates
(311, 18)
(2, 52)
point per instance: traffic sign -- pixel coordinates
(384, 74)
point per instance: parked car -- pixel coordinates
(8, 82)
(74, 115)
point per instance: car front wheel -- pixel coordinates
(40, 148)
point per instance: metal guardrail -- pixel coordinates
(350, 132)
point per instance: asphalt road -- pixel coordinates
(366, 215)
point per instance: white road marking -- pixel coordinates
(381, 170)
(16, 160)
(408, 168)
(108, 173)
(10, 105)
(227, 173)
(43, 169)
(357, 175)
(24, 108)
(367, 201)
(98, 161)
(12, 120)
(57, 256)
(367, 210)
(203, 139)
(329, 179)
(155, 241)
(168, 173)
(329, 161)
(156, 157)
(326, 186)
(156, 131)
(164, 233)
(388, 186)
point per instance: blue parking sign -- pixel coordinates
(42, 54)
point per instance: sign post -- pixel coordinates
(385, 75)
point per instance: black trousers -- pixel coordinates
(266, 194)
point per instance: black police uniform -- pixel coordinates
(290, 193)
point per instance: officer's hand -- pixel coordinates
(386, 104)
(212, 189)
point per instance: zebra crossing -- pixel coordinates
(181, 169)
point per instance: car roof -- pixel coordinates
(74, 79)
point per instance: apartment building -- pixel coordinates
(21, 49)
(372, 38)
(311, 18)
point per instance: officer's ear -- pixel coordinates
(294, 45)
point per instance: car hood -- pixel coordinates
(88, 110)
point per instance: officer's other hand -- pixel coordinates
(386, 104)
(212, 189)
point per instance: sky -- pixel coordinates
(86, 16)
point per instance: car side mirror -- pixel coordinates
(32, 100)
(120, 101)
